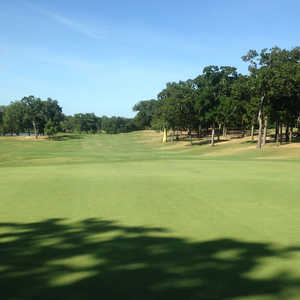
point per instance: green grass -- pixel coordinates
(123, 217)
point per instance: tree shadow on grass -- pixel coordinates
(67, 137)
(208, 142)
(100, 259)
(254, 142)
(273, 142)
(249, 142)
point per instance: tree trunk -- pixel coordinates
(291, 134)
(35, 130)
(252, 132)
(213, 135)
(265, 131)
(224, 130)
(280, 134)
(191, 138)
(276, 132)
(287, 133)
(219, 131)
(243, 132)
(165, 136)
(199, 131)
(259, 142)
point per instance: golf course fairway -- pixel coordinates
(124, 217)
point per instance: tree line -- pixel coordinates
(31, 115)
(90, 123)
(221, 98)
(218, 99)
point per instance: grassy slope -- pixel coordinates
(155, 221)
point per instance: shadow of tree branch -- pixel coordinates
(101, 259)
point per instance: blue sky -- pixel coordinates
(104, 56)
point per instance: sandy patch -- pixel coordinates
(228, 151)
(149, 137)
(24, 138)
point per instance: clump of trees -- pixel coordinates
(221, 98)
(32, 115)
(90, 123)
(81, 123)
(119, 125)
(29, 115)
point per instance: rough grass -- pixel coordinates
(124, 217)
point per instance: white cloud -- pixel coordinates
(81, 28)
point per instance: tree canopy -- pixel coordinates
(221, 97)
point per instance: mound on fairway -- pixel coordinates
(123, 217)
